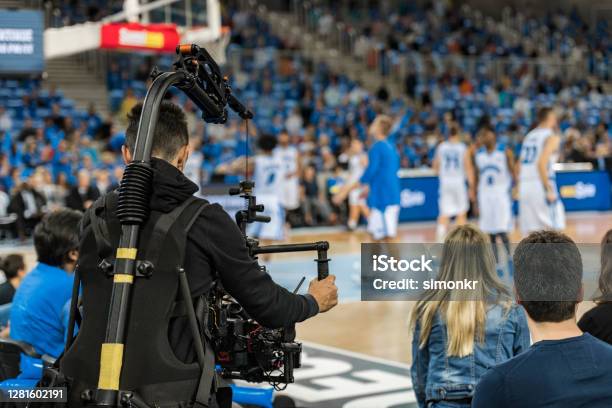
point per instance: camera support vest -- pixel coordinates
(149, 368)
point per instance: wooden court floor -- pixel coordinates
(381, 329)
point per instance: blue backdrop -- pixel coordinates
(579, 190)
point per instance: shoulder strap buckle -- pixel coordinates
(144, 268)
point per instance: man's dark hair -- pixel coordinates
(267, 142)
(170, 133)
(12, 264)
(548, 276)
(543, 113)
(56, 235)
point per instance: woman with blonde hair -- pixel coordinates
(458, 334)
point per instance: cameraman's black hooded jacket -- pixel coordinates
(216, 249)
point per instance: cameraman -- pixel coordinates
(215, 249)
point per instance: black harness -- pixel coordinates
(159, 316)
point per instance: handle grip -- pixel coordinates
(262, 218)
(322, 260)
(322, 270)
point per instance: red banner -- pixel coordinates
(150, 37)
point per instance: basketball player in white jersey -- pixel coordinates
(539, 204)
(288, 155)
(357, 163)
(268, 174)
(453, 164)
(495, 173)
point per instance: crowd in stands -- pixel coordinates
(53, 155)
(439, 30)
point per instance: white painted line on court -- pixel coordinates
(354, 354)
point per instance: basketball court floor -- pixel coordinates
(358, 354)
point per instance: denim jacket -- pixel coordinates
(438, 377)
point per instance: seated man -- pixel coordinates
(564, 367)
(14, 270)
(37, 314)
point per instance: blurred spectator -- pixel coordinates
(59, 120)
(13, 267)
(294, 122)
(128, 102)
(29, 206)
(28, 130)
(93, 120)
(114, 79)
(6, 123)
(7, 219)
(103, 181)
(316, 208)
(83, 194)
(54, 193)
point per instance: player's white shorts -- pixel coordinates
(383, 224)
(535, 213)
(355, 197)
(495, 211)
(453, 199)
(291, 193)
(275, 229)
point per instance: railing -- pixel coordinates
(96, 62)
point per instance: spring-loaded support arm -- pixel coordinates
(132, 211)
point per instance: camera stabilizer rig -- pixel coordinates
(253, 351)
(244, 349)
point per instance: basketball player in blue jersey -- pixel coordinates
(539, 204)
(381, 182)
(453, 164)
(494, 177)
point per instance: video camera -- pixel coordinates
(244, 349)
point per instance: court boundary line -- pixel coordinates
(354, 354)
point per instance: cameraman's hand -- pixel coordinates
(325, 292)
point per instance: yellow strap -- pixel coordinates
(123, 278)
(126, 253)
(111, 358)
